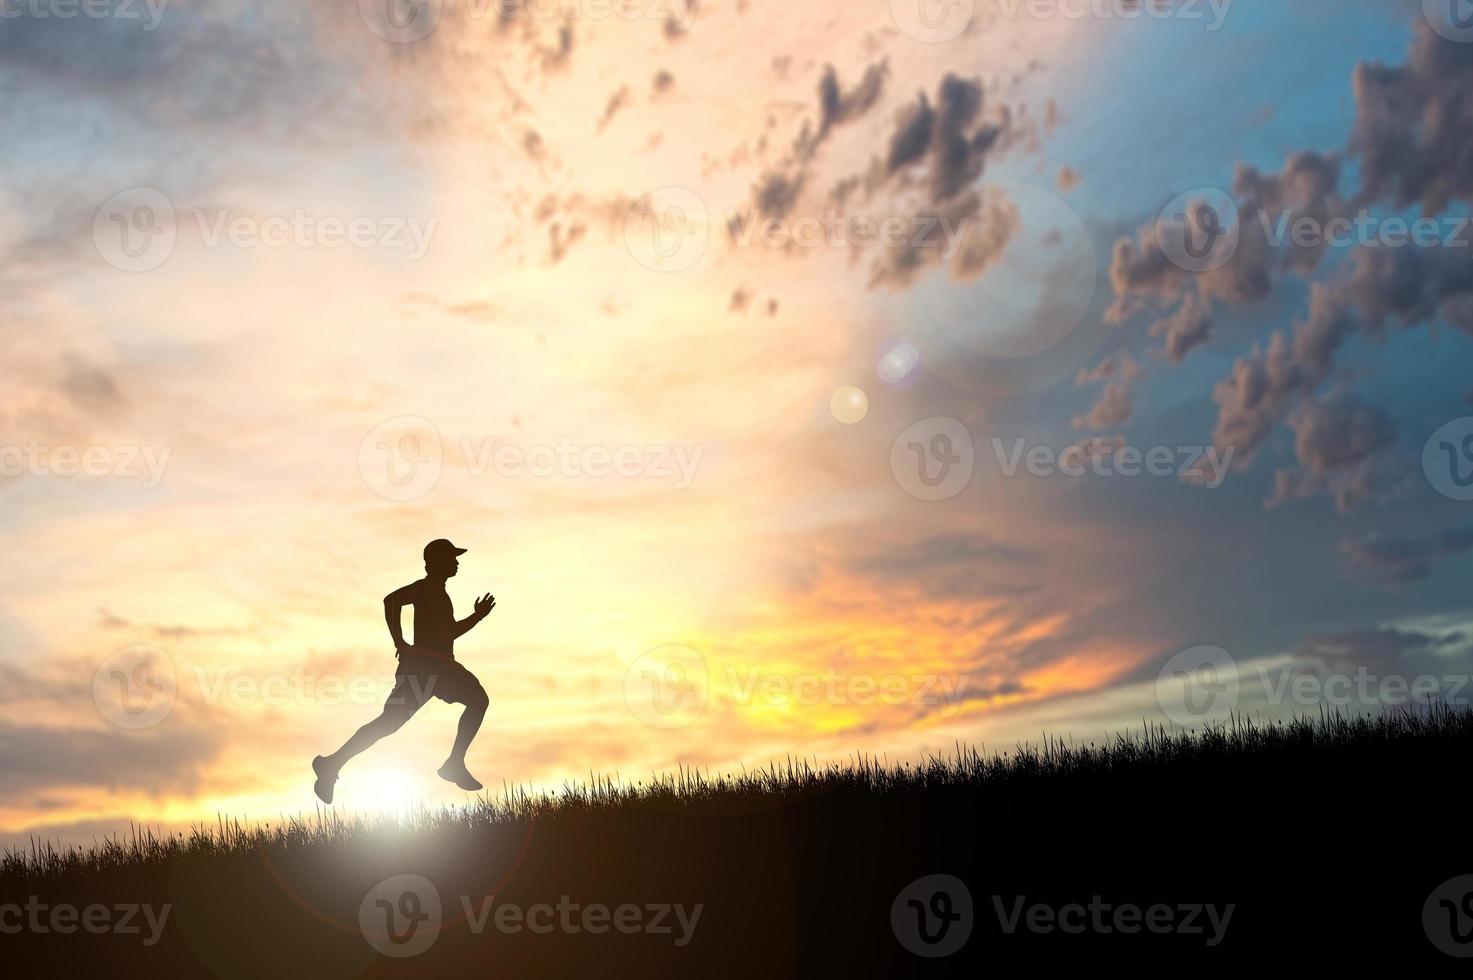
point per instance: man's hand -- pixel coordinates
(485, 604)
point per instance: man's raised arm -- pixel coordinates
(484, 605)
(394, 603)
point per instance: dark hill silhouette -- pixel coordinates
(1320, 836)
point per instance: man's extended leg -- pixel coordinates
(397, 710)
(473, 696)
(381, 727)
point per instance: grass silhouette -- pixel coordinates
(1296, 823)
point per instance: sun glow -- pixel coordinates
(387, 788)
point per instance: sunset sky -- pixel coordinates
(300, 298)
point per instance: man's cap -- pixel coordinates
(440, 548)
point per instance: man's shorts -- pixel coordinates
(424, 676)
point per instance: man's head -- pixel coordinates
(442, 559)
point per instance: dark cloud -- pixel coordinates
(976, 228)
(1402, 560)
(1113, 409)
(837, 106)
(942, 148)
(1254, 397)
(156, 761)
(1189, 327)
(1409, 286)
(1414, 125)
(1120, 365)
(952, 137)
(938, 147)
(1413, 141)
(677, 27)
(1383, 652)
(777, 194)
(1338, 446)
(91, 387)
(561, 238)
(616, 102)
(1144, 275)
(556, 58)
(777, 191)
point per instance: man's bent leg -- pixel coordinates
(470, 723)
(466, 690)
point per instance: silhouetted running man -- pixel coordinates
(427, 669)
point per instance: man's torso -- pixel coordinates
(434, 619)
